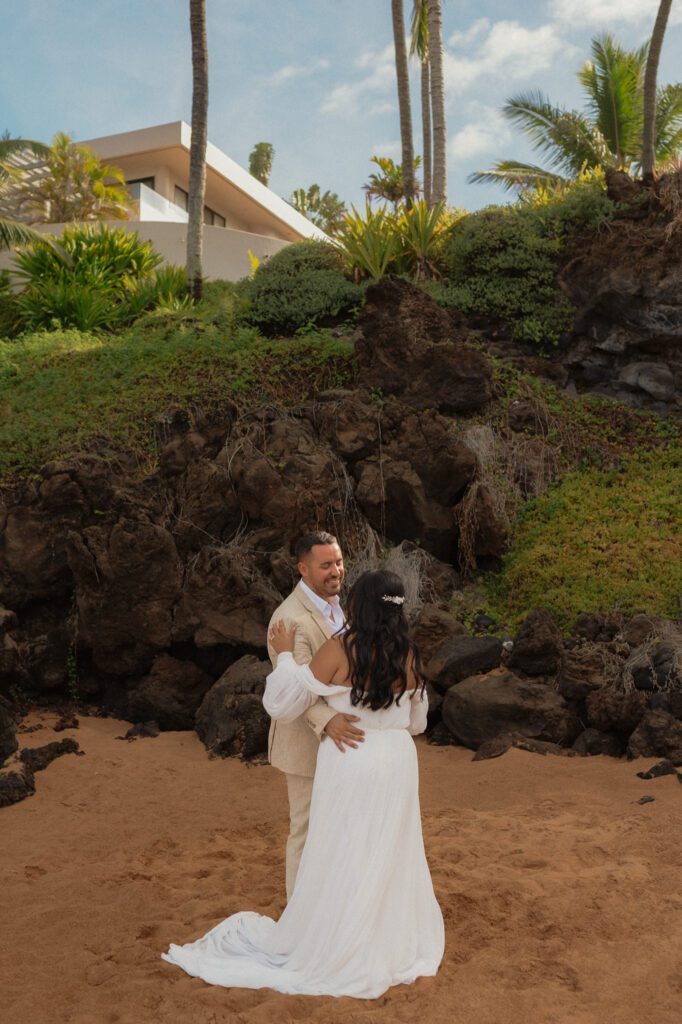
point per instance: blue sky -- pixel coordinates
(316, 78)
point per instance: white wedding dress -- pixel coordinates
(363, 915)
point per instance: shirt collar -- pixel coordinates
(320, 602)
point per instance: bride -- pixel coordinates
(363, 915)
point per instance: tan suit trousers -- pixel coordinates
(300, 789)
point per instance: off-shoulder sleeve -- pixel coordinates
(291, 689)
(286, 696)
(419, 706)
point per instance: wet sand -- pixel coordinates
(562, 896)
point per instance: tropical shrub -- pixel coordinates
(502, 267)
(565, 209)
(97, 278)
(301, 284)
(9, 314)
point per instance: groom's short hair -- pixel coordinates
(305, 544)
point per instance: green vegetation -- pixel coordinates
(65, 391)
(501, 266)
(598, 540)
(96, 278)
(302, 284)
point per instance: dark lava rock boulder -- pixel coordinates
(225, 600)
(169, 695)
(463, 656)
(16, 783)
(481, 707)
(8, 729)
(641, 627)
(656, 665)
(592, 742)
(392, 496)
(538, 646)
(231, 718)
(38, 758)
(610, 710)
(586, 668)
(432, 628)
(658, 734)
(410, 347)
(128, 579)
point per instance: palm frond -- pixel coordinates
(613, 80)
(668, 137)
(13, 233)
(555, 132)
(512, 174)
(419, 30)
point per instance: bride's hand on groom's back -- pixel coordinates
(281, 638)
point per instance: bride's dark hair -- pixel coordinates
(376, 641)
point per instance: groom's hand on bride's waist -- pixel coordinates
(340, 728)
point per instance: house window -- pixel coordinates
(181, 198)
(211, 217)
(149, 182)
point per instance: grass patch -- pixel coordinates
(66, 391)
(598, 540)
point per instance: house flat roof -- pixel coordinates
(223, 175)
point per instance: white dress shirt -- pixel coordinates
(331, 609)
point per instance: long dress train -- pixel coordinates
(363, 915)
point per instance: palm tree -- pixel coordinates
(439, 187)
(13, 232)
(390, 184)
(608, 135)
(197, 150)
(649, 99)
(325, 210)
(69, 184)
(260, 161)
(403, 98)
(419, 44)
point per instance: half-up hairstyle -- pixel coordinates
(376, 641)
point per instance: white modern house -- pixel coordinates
(241, 215)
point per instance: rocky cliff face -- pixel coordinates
(140, 592)
(120, 584)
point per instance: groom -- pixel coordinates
(313, 607)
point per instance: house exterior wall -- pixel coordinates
(226, 251)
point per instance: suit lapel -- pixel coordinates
(314, 612)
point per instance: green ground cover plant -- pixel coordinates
(68, 391)
(599, 539)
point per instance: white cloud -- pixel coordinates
(290, 71)
(472, 33)
(349, 97)
(509, 51)
(391, 149)
(483, 135)
(610, 12)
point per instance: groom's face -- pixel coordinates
(322, 569)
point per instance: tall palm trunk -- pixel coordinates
(439, 192)
(403, 100)
(649, 107)
(426, 128)
(197, 150)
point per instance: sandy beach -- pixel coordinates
(561, 893)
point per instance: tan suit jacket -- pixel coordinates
(293, 746)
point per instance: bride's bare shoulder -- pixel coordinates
(329, 661)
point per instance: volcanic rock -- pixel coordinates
(482, 707)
